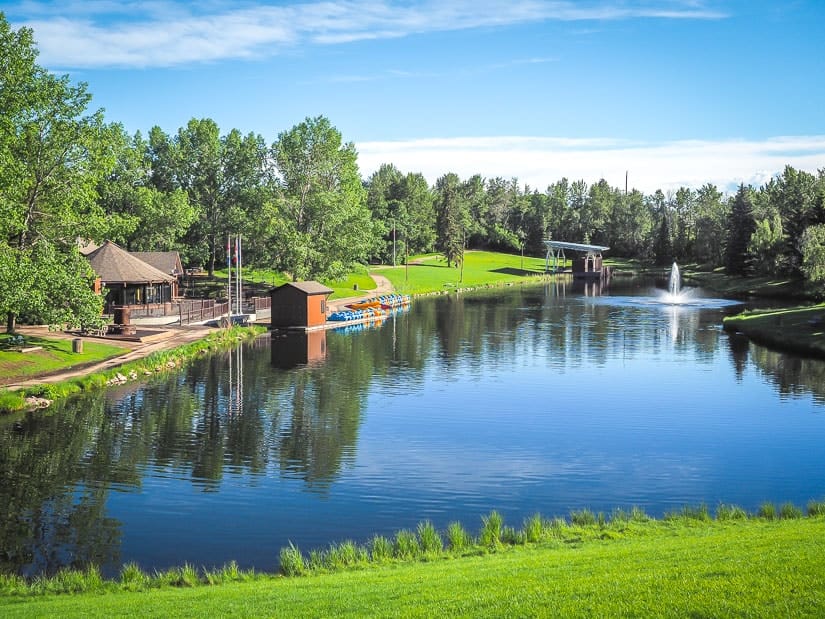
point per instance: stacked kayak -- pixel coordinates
(371, 309)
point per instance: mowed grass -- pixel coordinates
(800, 330)
(430, 273)
(340, 288)
(677, 568)
(56, 355)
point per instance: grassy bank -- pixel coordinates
(800, 330)
(430, 273)
(53, 355)
(155, 363)
(687, 564)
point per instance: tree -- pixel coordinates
(51, 160)
(766, 244)
(741, 226)
(813, 253)
(663, 246)
(450, 218)
(387, 209)
(711, 225)
(419, 225)
(141, 216)
(324, 226)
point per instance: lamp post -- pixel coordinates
(393, 242)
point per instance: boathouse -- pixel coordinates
(587, 261)
(299, 304)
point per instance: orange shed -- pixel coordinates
(299, 304)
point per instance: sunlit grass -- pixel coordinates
(430, 273)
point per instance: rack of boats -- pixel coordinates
(375, 308)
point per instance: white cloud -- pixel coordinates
(103, 33)
(539, 162)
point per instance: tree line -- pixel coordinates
(302, 207)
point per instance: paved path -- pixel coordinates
(177, 336)
(382, 286)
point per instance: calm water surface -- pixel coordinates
(541, 399)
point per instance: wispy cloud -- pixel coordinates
(98, 33)
(538, 162)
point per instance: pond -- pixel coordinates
(538, 399)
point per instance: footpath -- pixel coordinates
(174, 336)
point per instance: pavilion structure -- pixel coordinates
(586, 263)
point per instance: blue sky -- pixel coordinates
(675, 92)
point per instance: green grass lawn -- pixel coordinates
(745, 568)
(430, 273)
(267, 279)
(56, 355)
(800, 329)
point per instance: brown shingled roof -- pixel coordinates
(115, 265)
(309, 287)
(163, 261)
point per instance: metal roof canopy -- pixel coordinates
(575, 246)
(556, 249)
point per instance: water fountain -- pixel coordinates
(675, 295)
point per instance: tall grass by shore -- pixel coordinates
(425, 544)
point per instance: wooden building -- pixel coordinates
(166, 262)
(299, 304)
(128, 281)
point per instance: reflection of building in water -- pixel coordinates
(293, 348)
(588, 287)
(235, 406)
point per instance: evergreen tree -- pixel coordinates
(741, 226)
(663, 246)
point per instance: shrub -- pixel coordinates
(11, 401)
(292, 561)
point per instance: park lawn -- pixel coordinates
(355, 284)
(800, 329)
(754, 568)
(430, 273)
(56, 355)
